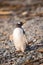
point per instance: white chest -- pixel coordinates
(18, 38)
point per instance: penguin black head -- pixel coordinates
(19, 24)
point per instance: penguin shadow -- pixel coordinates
(28, 48)
(34, 47)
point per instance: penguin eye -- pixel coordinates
(20, 23)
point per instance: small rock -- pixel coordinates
(40, 50)
(24, 13)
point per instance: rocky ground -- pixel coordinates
(32, 18)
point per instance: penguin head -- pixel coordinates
(19, 24)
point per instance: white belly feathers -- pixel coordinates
(19, 39)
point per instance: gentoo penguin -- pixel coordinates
(19, 38)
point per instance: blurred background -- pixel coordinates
(30, 12)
